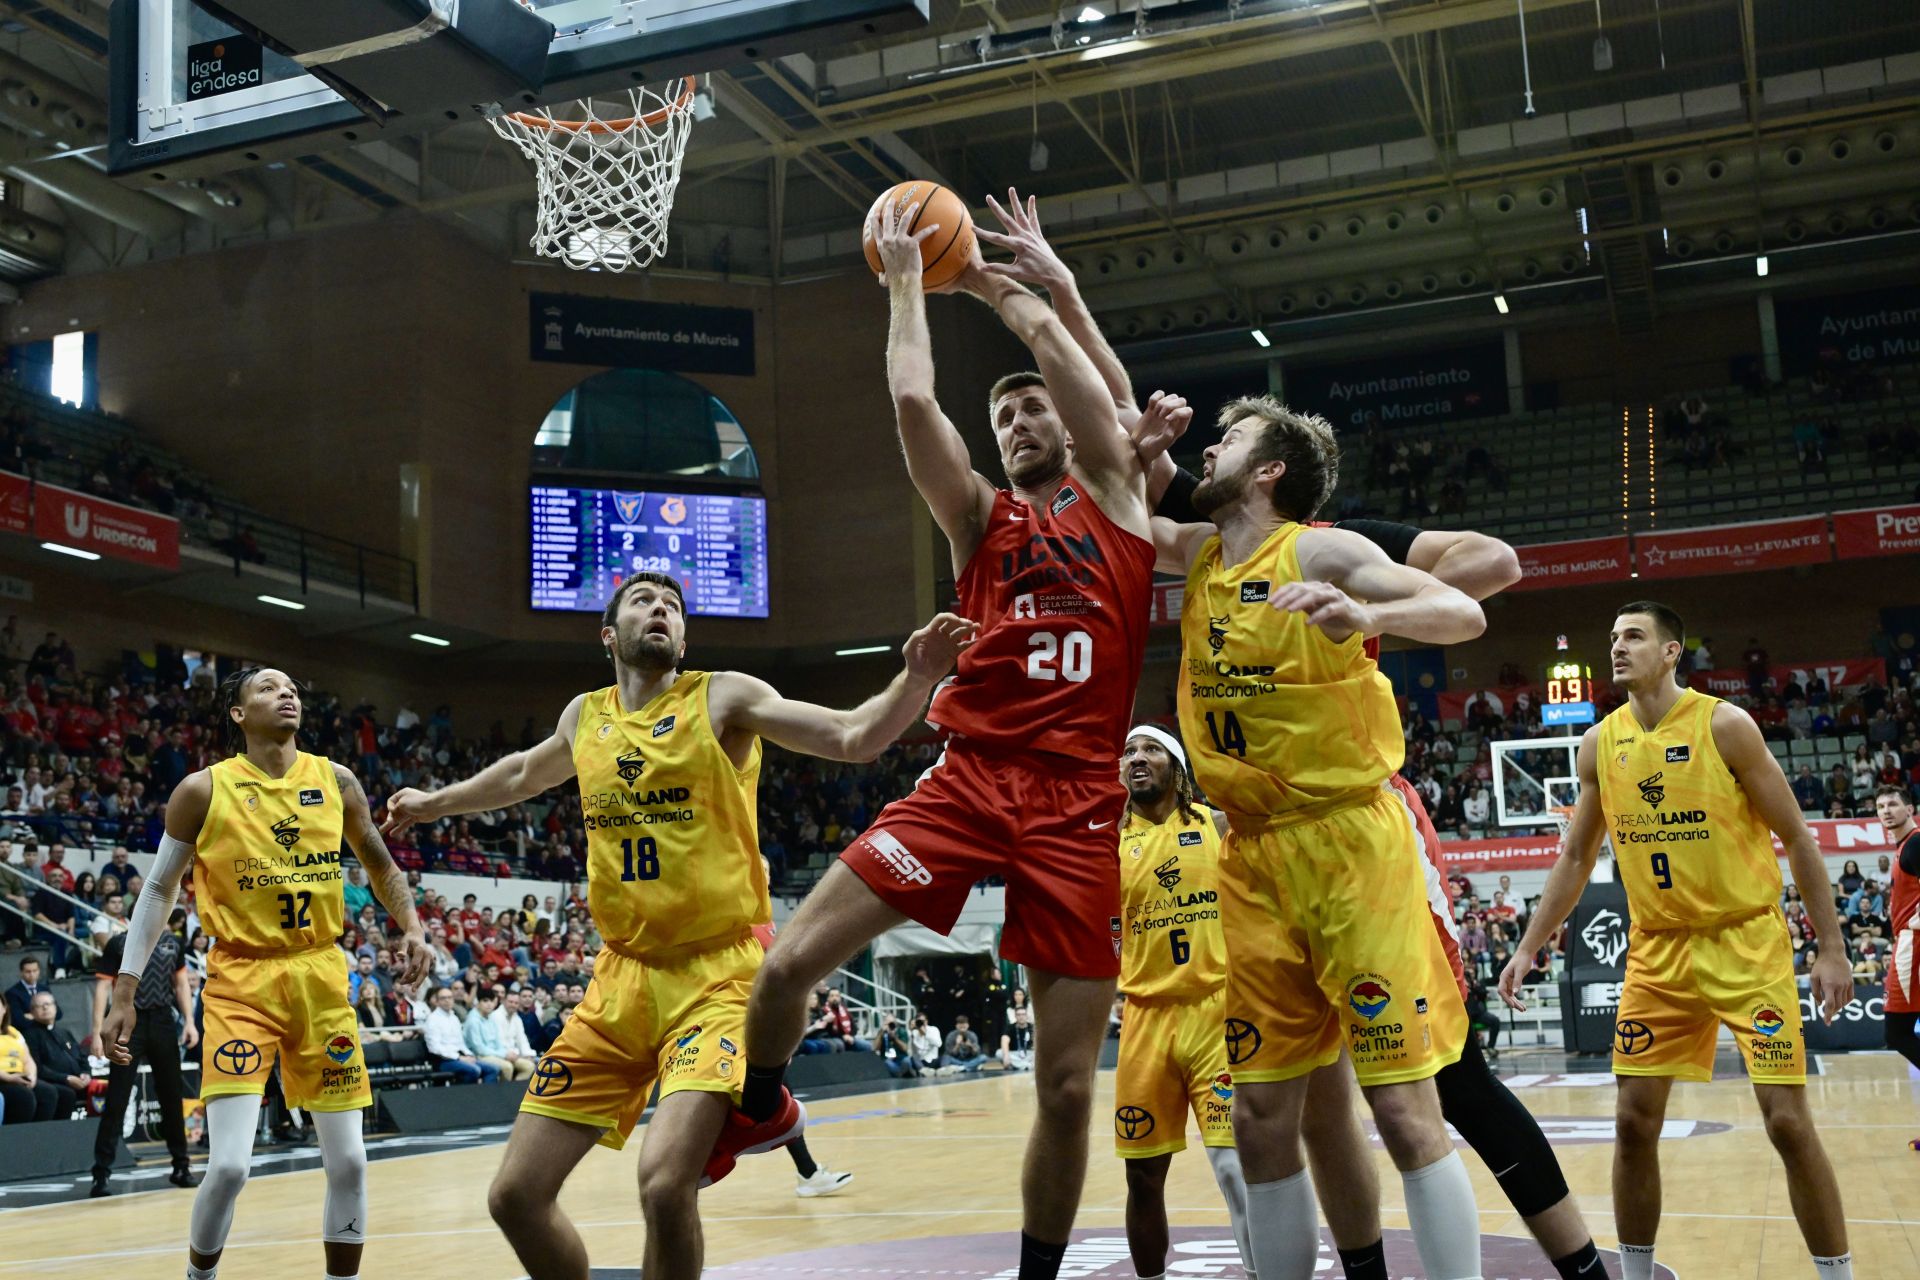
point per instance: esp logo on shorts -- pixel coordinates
(909, 869)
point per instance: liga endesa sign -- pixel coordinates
(1573, 564)
(1838, 674)
(1876, 531)
(106, 528)
(1836, 837)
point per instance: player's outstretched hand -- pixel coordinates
(1832, 983)
(1164, 420)
(417, 962)
(404, 808)
(115, 1030)
(1034, 261)
(1327, 607)
(899, 248)
(1510, 980)
(933, 649)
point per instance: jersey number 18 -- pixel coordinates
(642, 859)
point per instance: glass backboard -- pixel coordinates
(192, 96)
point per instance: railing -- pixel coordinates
(885, 1001)
(81, 436)
(82, 942)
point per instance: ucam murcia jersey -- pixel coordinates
(1062, 595)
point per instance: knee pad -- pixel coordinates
(1503, 1133)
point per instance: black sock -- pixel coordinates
(802, 1158)
(1039, 1261)
(1582, 1264)
(760, 1096)
(1369, 1263)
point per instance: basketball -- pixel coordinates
(945, 253)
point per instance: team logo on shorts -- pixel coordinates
(630, 766)
(551, 1078)
(1223, 1087)
(1631, 1038)
(1217, 632)
(237, 1057)
(286, 832)
(1767, 1021)
(1243, 1040)
(1651, 791)
(1168, 872)
(341, 1048)
(1367, 995)
(692, 1034)
(1132, 1123)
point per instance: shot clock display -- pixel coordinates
(1569, 697)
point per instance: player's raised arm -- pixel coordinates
(1571, 871)
(507, 781)
(1742, 746)
(1479, 565)
(746, 704)
(384, 877)
(937, 459)
(186, 814)
(1350, 585)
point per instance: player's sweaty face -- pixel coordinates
(1636, 647)
(1033, 444)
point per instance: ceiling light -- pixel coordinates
(854, 653)
(1090, 14)
(1760, 265)
(284, 604)
(1260, 336)
(436, 641)
(75, 552)
(1500, 303)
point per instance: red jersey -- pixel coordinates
(1062, 596)
(1903, 943)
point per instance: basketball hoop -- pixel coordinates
(606, 178)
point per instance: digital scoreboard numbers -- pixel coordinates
(588, 541)
(1569, 697)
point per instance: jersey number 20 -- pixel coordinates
(1055, 656)
(642, 859)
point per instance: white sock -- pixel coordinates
(1840, 1268)
(1233, 1189)
(1636, 1262)
(1283, 1222)
(354, 1276)
(1444, 1218)
(195, 1273)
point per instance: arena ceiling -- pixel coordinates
(1208, 165)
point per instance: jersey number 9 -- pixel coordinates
(1663, 871)
(642, 859)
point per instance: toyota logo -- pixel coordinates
(237, 1057)
(1132, 1123)
(1243, 1040)
(551, 1077)
(1631, 1037)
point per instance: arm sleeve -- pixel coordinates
(1910, 854)
(1176, 504)
(1394, 539)
(156, 904)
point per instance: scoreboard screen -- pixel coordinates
(1569, 693)
(588, 541)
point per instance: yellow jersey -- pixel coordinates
(13, 1053)
(267, 861)
(673, 845)
(1171, 944)
(1278, 717)
(1690, 848)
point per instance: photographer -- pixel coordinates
(927, 1044)
(896, 1050)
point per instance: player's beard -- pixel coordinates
(1221, 491)
(1151, 793)
(1045, 466)
(645, 652)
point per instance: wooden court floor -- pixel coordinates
(944, 1161)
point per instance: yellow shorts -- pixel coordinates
(1682, 984)
(1331, 944)
(680, 1024)
(291, 1007)
(1173, 1057)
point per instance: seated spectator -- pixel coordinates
(376, 1013)
(963, 1052)
(59, 1058)
(1016, 1044)
(447, 1042)
(896, 1050)
(20, 995)
(515, 1047)
(1542, 970)
(25, 1096)
(840, 1025)
(1851, 881)
(818, 1037)
(1481, 1018)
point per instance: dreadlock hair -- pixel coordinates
(233, 693)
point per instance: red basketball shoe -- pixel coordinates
(744, 1136)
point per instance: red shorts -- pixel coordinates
(1049, 829)
(1438, 895)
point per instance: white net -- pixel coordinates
(607, 168)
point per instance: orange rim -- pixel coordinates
(647, 121)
